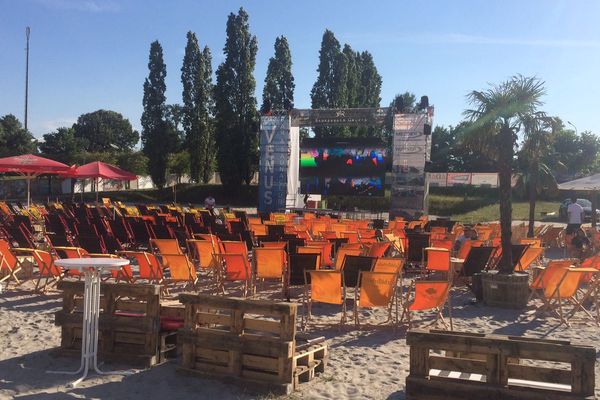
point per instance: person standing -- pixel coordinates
(575, 216)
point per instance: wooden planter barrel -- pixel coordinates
(506, 291)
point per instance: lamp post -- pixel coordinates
(576, 131)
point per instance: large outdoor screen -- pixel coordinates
(343, 166)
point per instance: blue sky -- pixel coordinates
(92, 54)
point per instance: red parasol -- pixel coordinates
(31, 166)
(100, 170)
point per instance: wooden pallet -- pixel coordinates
(129, 323)
(487, 366)
(247, 341)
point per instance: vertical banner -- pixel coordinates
(411, 150)
(274, 158)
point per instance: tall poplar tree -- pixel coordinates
(329, 91)
(155, 129)
(278, 92)
(235, 105)
(196, 77)
(209, 145)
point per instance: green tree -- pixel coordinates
(369, 87)
(329, 91)
(278, 92)
(14, 139)
(498, 115)
(235, 105)
(133, 161)
(535, 175)
(196, 77)
(353, 74)
(155, 129)
(105, 130)
(179, 164)
(62, 145)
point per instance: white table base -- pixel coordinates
(89, 336)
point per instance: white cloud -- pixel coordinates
(460, 38)
(94, 6)
(53, 124)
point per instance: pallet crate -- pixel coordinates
(488, 366)
(249, 341)
(129, 324)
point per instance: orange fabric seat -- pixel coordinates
(326, 287)
(376, 289)
(429, 295)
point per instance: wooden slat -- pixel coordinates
(539, 374)
(260, 363)
(218, 319)
(217, 356)
(132, 338)
(262, 325)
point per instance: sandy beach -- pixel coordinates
(370, 363)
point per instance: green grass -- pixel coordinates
(491, 212)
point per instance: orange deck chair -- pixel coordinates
(235, 247)
(72, 252)
(275, 245)
(9, 263)
(532, 241)
(165, 246)
(203, 253)
(428, 295)
(325, 287)
(270, 263)
(181, 269)
(392, 265)
(149, 267)
(561, 290)
(341, 256)
(376, 289)
(438, 260)
(46, 270)
(531, 256)
(378, 249)
(542, 276)
(235, 268)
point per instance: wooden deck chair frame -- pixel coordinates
(222, 273)
(12, 269)
(538, 279)
(591, 295)
(284, 268)
(393, 301)
(154, 276)
(554, 302)
(192, 282)
(44, 270)
(308, 297)
(439, 316)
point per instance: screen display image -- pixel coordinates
(343, 186)
(343, 158)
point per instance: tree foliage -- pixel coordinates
(62, 145)
(235, 105)
(498, 116)
(155, 129)
(278, 92)
(346, 79)
(105, 131)
(196, 77)
(14, 139)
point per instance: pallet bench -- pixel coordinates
(134, 327)
(250, 342)
(497, 367)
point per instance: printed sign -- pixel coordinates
(484, 179)
(458, 178)
(411, 150)
(273, 169)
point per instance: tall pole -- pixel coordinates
(27, 33)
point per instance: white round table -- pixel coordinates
(92, 269)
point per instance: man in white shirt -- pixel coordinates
(575, 215)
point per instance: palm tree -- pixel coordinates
(498, 115)
(537, 176)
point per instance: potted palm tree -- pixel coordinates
(498, 115)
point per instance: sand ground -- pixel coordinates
(370, 363)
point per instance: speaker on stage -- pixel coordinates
(424, 103)
(427, 129)
(399, 104)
